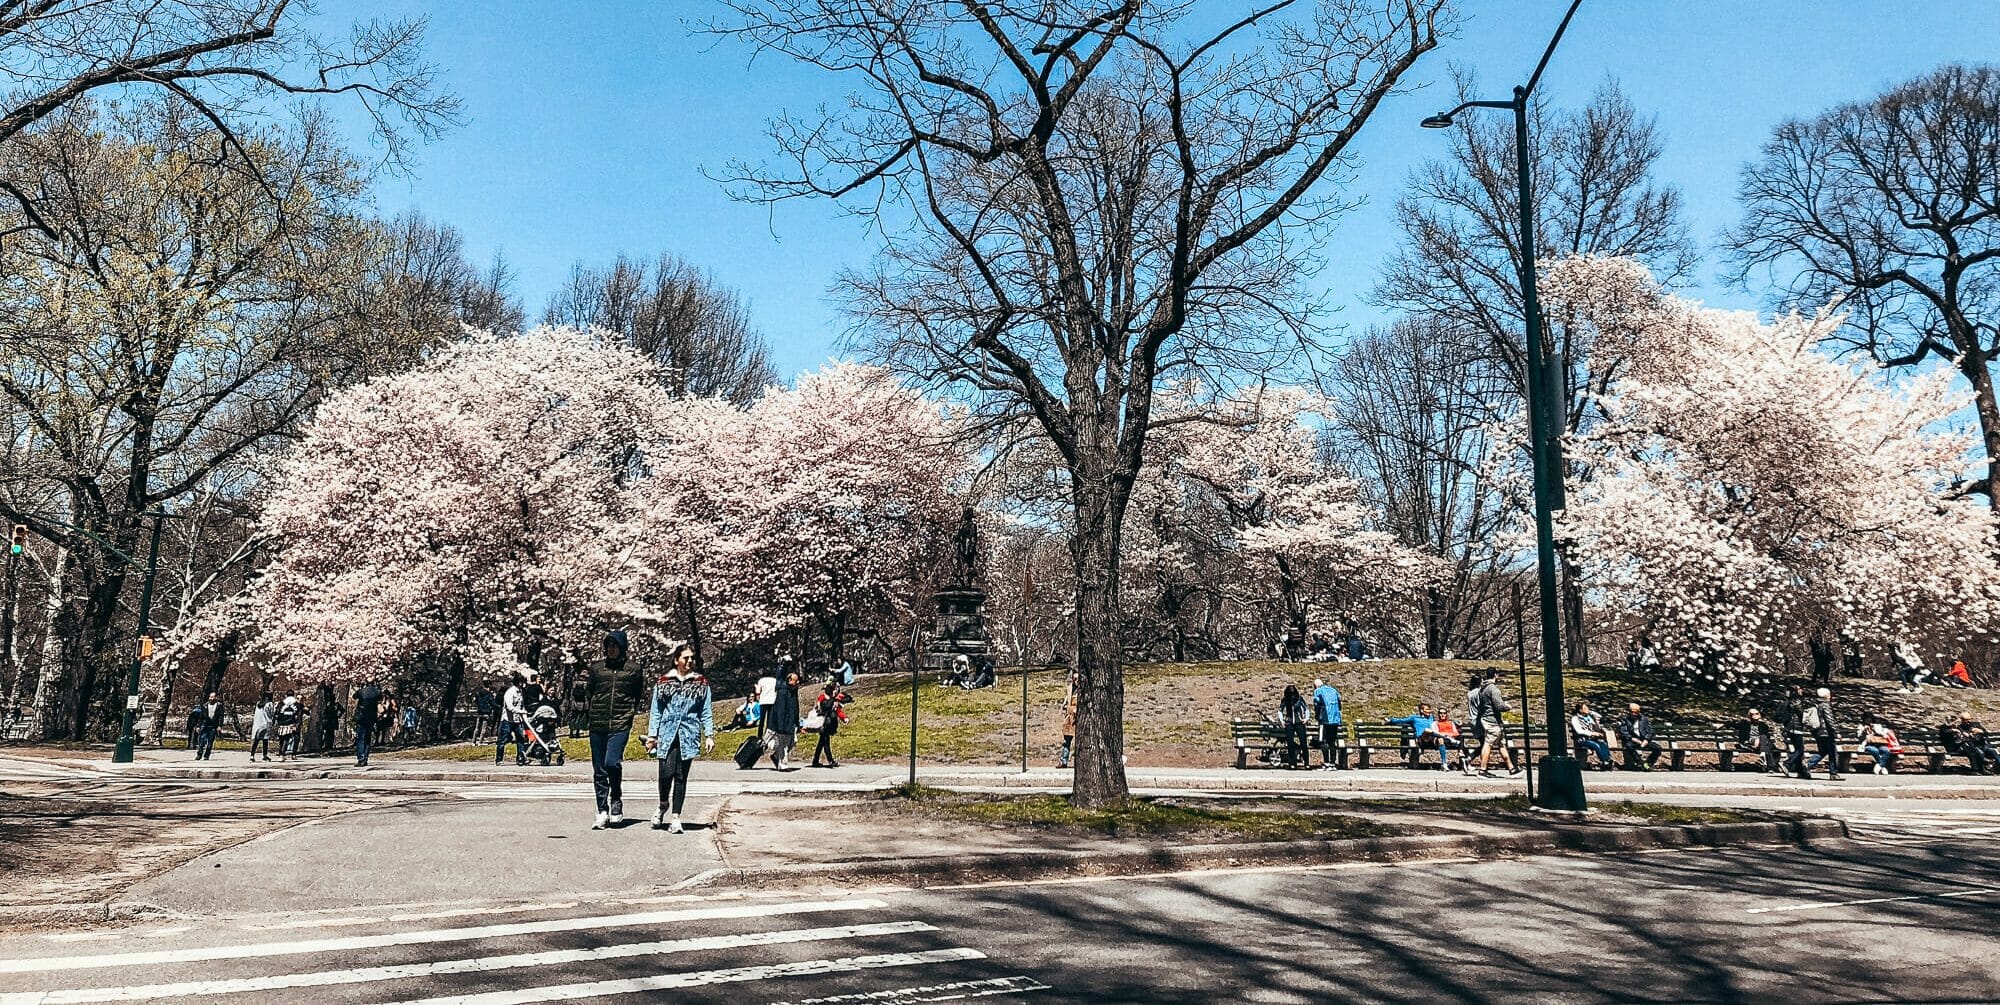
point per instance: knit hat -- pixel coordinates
(618, 639)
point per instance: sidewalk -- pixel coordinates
(394, 766)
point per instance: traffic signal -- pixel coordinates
(145, 647)
(20, 538)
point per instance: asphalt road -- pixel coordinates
(1908, 912)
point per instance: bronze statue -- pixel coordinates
(966, 546)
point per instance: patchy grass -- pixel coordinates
(1143, 817)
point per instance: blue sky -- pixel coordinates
(590, 123)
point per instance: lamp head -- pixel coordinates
(1442, 120)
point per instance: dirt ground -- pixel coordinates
(64, 843)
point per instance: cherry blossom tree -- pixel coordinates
(461, 507)
(1748, 494)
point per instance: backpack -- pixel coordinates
(1810, 718)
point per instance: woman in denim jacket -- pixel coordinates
(681, 727)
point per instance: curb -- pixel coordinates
(959, 869)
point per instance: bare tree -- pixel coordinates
(422, 288)
(1079, 199)
(173, 313)
(1414, 411)
(1460, 263)
(1892, 206)
(226, 60)
(697, 329)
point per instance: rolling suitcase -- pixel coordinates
(752, 749)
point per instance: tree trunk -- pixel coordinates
(99, 660)
(1576, 644)
(1974, 365)
(54, 662)
(454, 680)
(694, 627)
(1100, 710)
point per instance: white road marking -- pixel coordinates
(424, 937)
(1871, 900)
(955, 991)
(365, 975)
(699, 978)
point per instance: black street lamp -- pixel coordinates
(1561, 776)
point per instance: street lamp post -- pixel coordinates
(127, 740)
(1561, 777)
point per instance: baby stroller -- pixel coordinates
(539, 736)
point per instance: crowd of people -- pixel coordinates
(1803, 738)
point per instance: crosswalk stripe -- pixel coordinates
(364, 975)
(422, 937)
(699, 978)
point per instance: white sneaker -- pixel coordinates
(675, 827)
(1881, 770)
(659, 818)
(617, 818)
(1902, 690)
(602, 820)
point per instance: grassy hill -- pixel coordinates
(1177, 714)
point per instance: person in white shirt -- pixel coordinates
(767, 695)
(513, 716)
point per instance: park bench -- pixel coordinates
(1266, 739)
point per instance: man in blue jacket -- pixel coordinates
(1326, 712)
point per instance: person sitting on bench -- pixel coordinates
(1423, 727)
(1588, 730)
(1754, 736)
(1635, 734)
(1965, 736)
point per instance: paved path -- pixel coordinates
(1857, 922)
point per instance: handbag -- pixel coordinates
(812, 722)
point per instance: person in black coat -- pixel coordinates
(1755, 736)
(783, 724)
(828, 710)
(367, 706)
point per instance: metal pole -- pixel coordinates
(122, 754)
(1521, 660)
(916, 666)
(1562, 778)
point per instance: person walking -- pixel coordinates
(1635, 737)
(680, 725)
(1326, 713)
(208, 719)
(767, 695)
(485, 708)
(513, 718)
(614, 687)
(782, 724)
(367, 708)
(1069, 722)
(410, 720)
(1793, 715)
(287, 718)
(1819, 722)
(1486, 704)
(827, 707)
(260, 728)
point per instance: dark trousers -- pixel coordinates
(1795, 753)
(260, 738)
(674, 781)
(825, 746)
(364, 733)
(204, 743)
(508, 729)
(1824, 753)
(1298, 749)
(1329, 734)
(607, 770)
(1633, 748)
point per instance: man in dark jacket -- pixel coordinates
(367, 706)
(783, 723)
(613, 690)
(1793, 717)
(1963, 735)
(1754, 736)
(1635, 737)
(207, 719)
(1817, 720)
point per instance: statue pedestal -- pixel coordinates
(958, 628)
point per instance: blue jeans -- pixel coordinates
(362, 732)
(507, 729)
(1880, 753)
(1598, 747)
(204, 743)
(607, 769)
